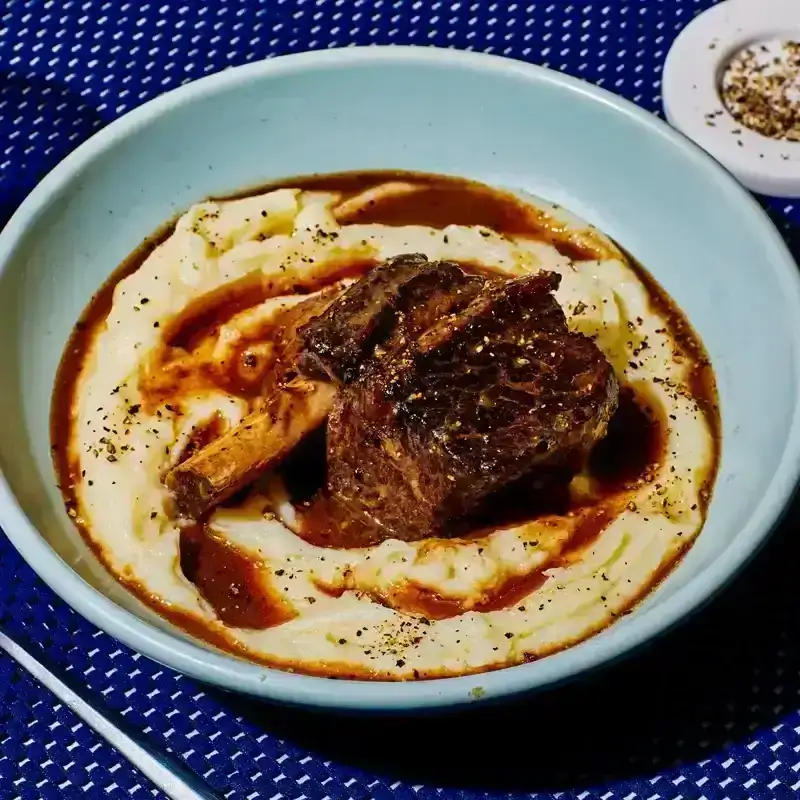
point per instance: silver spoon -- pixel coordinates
(177, 782)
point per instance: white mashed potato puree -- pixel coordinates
(358, 612)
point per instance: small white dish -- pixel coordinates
(693, 104)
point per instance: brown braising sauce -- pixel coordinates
(226, 578)
(183, 363)
(442, 201)
(229, 581)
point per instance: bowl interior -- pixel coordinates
(506, 124)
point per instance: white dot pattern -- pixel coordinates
(711, 712)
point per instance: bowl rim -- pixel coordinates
(231, 673)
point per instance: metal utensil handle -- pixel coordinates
(171, 777)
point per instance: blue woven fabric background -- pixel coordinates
(709, 712)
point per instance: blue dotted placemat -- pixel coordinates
(709, 712)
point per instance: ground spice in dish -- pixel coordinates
(761, 90)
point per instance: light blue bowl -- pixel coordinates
(499, 121)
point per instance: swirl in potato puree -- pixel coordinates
(181, 354)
